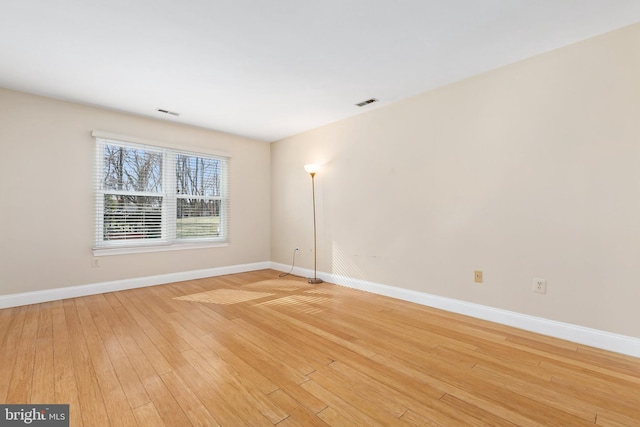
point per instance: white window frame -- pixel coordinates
(168, 240)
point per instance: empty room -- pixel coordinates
(336, 213)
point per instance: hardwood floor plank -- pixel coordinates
(20, 384)
(157, 342)
(576, 361)
(220, 344)
(494, 397)
(473, 415)
(298, 414)
(7, 316)
(276, 348)
(398, 399)
(539, 392)
(335, 340)
(314, 350)
(153, 388)
(367, 396)
(615, 420)
(176, 340)
(597, 383)
(193, 408)
(210, 396)
(134, 340)
(91, 404)
(113, 396)
(164, 402)
(616, 362)
(234, 395)
(272, 373)
(300, 355)
(128, 378)
(65, 389)
(627, 403)
(13, 324)
(256, 400)
(338, 409)
(431, 420)
(147, 415)
(43, 386)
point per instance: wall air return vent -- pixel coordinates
(367, 102)
(173, 113)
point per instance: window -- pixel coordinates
(199, 197)
(153, 197)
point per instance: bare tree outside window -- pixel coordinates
(198, 192)
(129, 176)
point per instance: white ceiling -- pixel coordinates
(268, 69)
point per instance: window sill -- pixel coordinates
(106, 251)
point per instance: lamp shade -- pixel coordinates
(312, 168)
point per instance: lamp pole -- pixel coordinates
(312, 169)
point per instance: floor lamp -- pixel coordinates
(311, 170)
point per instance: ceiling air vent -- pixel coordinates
(368, 101)
(173, 113)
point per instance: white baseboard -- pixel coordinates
(591, 337)
(46, 295)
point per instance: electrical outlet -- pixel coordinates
(477, 276)
(540, 286)
(95, 263)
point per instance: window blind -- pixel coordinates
(150, 196)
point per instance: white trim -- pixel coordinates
(578, 334)
(175, 146)
(47, 295)
(591, 337)
(123, 250)
(168, 196)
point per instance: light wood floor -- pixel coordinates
(257, 350)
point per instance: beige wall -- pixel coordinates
(531, 170)
(46, 195)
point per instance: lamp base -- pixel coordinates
(315, 281)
